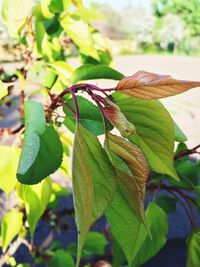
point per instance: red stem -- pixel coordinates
(75, 105)
(186, 152)
(172, 189)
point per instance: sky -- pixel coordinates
(118, 4)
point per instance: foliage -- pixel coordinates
(111, 171)
(189, 11)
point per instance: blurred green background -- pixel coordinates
(136, 27)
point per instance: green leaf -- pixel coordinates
(35, 124)
(179, 135)
(10, 227)
(14, 14)
(131, 234)
(118, 255)
(78, 3)
(93, 182)
(41, 73)
(45, 9)
(41, 150)
(61, 258)
(193, 254)
(131, 169)
(79, 31)
(154, 131)
(39, 33)
(36, 199)
(124, 223)
(51, 48)
(46, 161)
(95, 243)
(34, 117)
(146, 248)
(90, 71)
(168, 204)
(63, 69)
(3, 89)
(90, 116)
(9, 157)
(58, 6)
(30, 150)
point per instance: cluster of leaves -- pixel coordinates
(108, 179)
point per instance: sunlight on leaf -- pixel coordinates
(14, 14)
(79, 32)
(41, 150)
(10, 227)
(9, 157)
(146, 85)
(36, 199)
(3, 89)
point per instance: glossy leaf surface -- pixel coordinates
(48, 158)
(90, 72)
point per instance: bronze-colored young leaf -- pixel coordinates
(146, 85)
(117, 118)
(132, 171)
(93, 182)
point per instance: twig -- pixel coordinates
(10, 131)
(186, 152)
(75, 105)
(173, 190)
(68, 107)
(190, 216)
(12, 249)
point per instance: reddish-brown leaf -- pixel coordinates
(132, 171)
(118, 120)
(146, 85)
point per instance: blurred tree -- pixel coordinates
(189, 11)
(171, 33)
(5, 39)
(139, 25)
